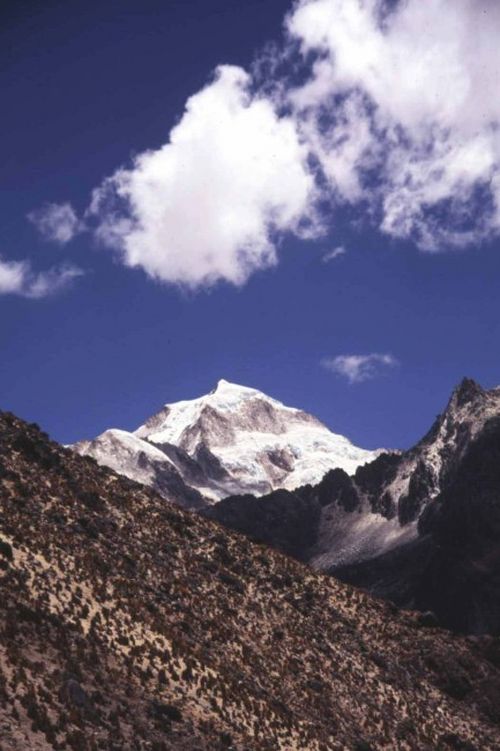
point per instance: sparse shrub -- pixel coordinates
(164, 714)
(91, 499)
(162, 677)
(362, 745)
(405, 729)
(379, 660)
(450, 741)
(6, 550)
(232, 581)
(222, 554)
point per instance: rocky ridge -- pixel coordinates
(128, 623)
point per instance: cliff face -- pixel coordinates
(130, 624)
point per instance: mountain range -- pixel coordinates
(420, 527)
(130, 624)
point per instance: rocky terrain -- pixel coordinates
(421, 527)
(453, 567)
(128, 623)
(233, 440)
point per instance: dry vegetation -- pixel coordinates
(127, 623)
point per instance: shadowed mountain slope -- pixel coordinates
(128, 623)
(453, 568)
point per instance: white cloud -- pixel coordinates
(331, 255)
(18, 278)
(359, 368)
(398, 117)
(402, 110)
(207, 205)
(57, 222)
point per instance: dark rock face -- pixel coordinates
(462, 580)
(373, 478)
(467, 391)
(453, 568)
(169, 480)
(336, 485)
(420, 488)
(210, 465)
(283, 520)
(129, 624)
(190, 468)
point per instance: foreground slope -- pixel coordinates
(233, 440)
(421, 527)
(130, 624)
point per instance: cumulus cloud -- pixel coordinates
(359, 368)
(331, 255)
(207, 206)
(397, 116)
(18, 278)
(402, 110)
(57, 222)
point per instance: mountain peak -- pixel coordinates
(466, 391)
(232, 441)
(222, 383)
(224, 386)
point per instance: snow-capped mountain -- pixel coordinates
(377, 507)
(420, 526)
(231, 441)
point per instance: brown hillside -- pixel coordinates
(127, 623)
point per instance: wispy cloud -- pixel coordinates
(331, 255)
(57, 222)
(359, 368)
(18, 278)
(256, 156)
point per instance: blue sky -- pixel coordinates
(86, 87)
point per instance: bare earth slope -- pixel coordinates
(127, 623)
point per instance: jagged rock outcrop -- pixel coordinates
(453, 567)
(234, 440)
(129, 624)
